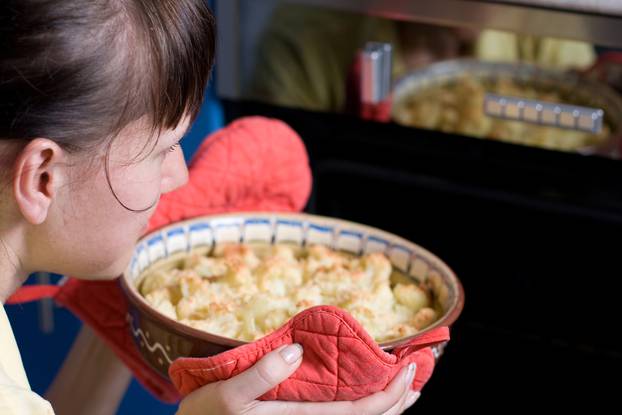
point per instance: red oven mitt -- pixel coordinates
(253, 164)
(341, 361)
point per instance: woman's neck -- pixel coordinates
(12, 273)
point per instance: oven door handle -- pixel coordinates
(571, 117)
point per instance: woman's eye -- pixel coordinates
(173, 147)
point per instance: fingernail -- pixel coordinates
(291, 353)
(412, 369)
(408, 376)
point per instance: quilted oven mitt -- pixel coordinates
(341, 360)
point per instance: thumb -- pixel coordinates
(268, 372)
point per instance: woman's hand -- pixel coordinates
(239, 394)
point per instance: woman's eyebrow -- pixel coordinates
(182, 135)
(173, 138)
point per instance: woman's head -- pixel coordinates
(95, 95)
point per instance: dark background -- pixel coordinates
(532, 234)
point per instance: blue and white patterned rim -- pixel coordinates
(299, 229)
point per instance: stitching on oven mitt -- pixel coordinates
(255, 163)
(341, 360)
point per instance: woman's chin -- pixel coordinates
(111, 271)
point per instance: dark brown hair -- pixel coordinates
(78, 71)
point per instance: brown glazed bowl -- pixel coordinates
(161, 340)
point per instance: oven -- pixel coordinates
(531, 232)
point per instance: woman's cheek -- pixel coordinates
(137, 186)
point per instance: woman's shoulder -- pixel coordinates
(15, 399)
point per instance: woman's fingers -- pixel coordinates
(378, 403)
(409, 399)
(412, 397)
(382, 401)
(400, 406)
(268, 372)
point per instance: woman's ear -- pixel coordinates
(36, 178)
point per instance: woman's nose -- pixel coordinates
(175, 171)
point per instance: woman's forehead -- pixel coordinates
(141, 131)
